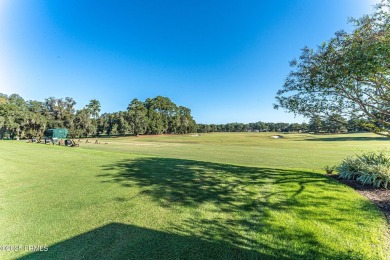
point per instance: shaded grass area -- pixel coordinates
(345, 137)
(121, 241)
(95, 204)
(189, 182)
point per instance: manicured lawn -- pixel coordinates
(302, 151)
(220, 196)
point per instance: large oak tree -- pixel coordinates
(349, 75)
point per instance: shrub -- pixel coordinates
(370, 168)
(329, 169)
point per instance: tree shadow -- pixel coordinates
(347, 138)
(191, 183)
(122, 241)
(244, 203)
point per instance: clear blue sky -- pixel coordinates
(225, 60)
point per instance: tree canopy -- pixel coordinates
(348, 76)
(27, 119)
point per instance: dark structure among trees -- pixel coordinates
(58, 133)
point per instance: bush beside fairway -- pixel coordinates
(178, 197)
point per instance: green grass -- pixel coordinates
(303, 151)
(220, 196)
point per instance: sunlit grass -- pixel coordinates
(305, 151)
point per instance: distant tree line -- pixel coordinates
(332, 124)
(26, 119)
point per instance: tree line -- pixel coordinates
(159, 115)
(26, 119)
(333, 124)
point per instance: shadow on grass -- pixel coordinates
(240, 205)
(121, 241)
(348, 138)
(191, 183)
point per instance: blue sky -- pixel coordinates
(225, 60)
